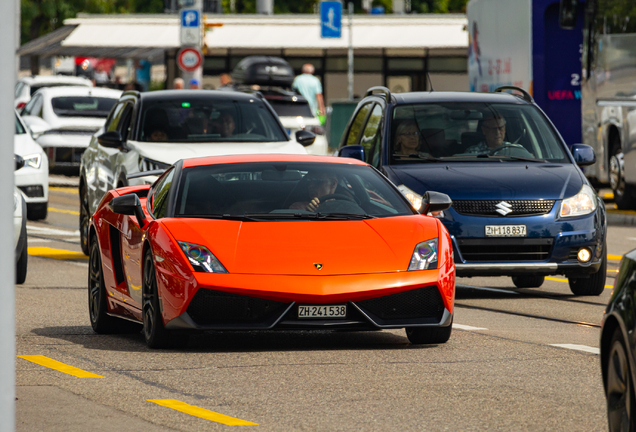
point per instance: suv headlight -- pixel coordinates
(424, 256)
(201, 258)
(146, 164)
(414, 198)
(33, 160)
(580, 204)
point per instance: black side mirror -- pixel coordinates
(128, 205)
(111, 139)
(567, 14)
(352, 151)
(434, 202)
(583, 154)
(305, 138)
(19, 162)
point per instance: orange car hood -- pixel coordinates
(297, 248)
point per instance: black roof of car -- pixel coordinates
(433, 96)
(166, 95)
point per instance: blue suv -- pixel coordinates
(521, 205)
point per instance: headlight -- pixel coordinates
(414, 198)
(424, 256)
(580, 204)
(34, 160)
(201, 258)
(146, 164)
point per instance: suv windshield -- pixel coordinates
(290, 109)
(205, 120)
(288, 191)
(472, 131)
(82, 106)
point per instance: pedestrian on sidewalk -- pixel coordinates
(310, 87)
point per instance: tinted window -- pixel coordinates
(82, 106)
(290, 109)
(115, 116)
(468, 130)
(285, 190)
(160, 195)
(371, 135)
(357, 124)
(208, 120)
(34, 107)
(18, 127)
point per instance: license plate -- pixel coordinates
(327, 311)
(505, 230)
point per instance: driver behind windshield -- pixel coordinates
(224, 125)
(319, 184)
(493, 128)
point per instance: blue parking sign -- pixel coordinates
(190, 18)
(330, 19)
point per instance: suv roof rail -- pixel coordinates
(525, 95)
(382, 89)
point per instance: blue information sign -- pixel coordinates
(190, 18)
(330, 19)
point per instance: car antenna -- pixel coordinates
(430, 82)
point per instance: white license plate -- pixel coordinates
(327, 311)
(505, 230)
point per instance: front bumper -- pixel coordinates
(34, 182)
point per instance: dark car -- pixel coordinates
(618, 348)
(521, 205)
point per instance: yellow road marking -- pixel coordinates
(608, 195)
(59, 366)
(70, 190)
(614, 257)
(565, 280)
(201, 412)
(73, 212)
(48, 252)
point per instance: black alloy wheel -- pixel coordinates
(84, 218)
(528, 281)
(592, 285)
(97, 303)
(619, 387)
(429, 335)
(154, 332)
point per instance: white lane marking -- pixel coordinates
(467, 327)
(39, 240)
(488, 289)
(81, 264)
(51, 231)
(576, 347)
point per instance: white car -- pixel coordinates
(33, 178)
(20, 232)
(26, 87)
(62, 120)
(151, 131)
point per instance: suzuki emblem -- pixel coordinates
(318, 266)
(503, 208)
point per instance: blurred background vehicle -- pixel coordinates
(62, 120)
(19, 229)
(150, 131)
(26, 87)
(618, 348)
(33, 178)
(273, 77)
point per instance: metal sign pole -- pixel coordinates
(7, 252)
(350, 54)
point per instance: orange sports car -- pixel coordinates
(269, 242)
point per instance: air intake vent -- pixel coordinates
(489, 208)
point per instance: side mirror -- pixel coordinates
(128, 205)
(111, 139)
(305, 138)
(352, 151)
(435, 202)
(583, 154)
(19, 162)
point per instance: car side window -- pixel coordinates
(124, 124)
(113, 119)
(34, 107)
(160, 195)
(18, 89)
(370, 139)
(357, 124)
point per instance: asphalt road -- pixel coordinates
(517, 360)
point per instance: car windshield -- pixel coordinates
(207, 120)
(287, 191)
(290, 109)
(82, 106)
(18, 127)
(473, 132)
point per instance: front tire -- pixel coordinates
(21, 266)
(528, 281)
(619, 387)
(429, 335)
(37, 211)
(593, 285)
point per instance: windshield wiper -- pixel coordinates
(503, 157)
(418, 156)
(310, 216)
(244, 218)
